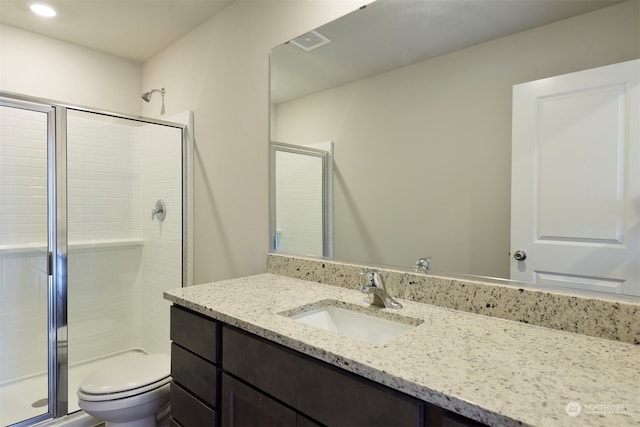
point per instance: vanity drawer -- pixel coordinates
(196, 333)
(195, 374)
(314, 388)
(187, 410)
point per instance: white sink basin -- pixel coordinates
(352, 322)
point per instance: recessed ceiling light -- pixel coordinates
(43, 10)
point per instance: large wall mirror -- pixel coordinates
(418, 99)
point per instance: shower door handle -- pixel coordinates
(50, 263)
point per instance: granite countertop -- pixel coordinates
(495, 371)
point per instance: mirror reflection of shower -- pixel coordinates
(147, 97)
(301, 183)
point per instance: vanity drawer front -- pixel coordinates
(316, 389)
(195, 332)
(189, 411)
(245, 406)
(195, 374)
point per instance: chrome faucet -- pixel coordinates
(374, 286)
(423, 265)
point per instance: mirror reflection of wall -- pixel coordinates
(425, 149)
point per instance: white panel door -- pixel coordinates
(575, 188)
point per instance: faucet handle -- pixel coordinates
(423, 265)
(376, 290)
(373, 277)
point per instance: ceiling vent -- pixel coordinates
(310, 40)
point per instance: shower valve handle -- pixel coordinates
(159, 211)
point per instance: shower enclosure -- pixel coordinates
(302, 199)
(83, 257)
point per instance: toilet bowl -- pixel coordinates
(131, 393)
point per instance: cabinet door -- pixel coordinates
(244, 406)
(318, 390)
(450, 419)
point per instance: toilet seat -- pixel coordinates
(127, 378)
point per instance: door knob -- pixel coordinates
(520, 255)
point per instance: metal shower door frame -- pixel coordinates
(57, 244)
(56, 312)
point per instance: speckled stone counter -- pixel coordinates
(498, 372)
(597, 315)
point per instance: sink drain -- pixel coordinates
(40, 403)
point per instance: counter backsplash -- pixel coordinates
(614, 320)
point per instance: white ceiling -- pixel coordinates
(131, 29)
(384, 35)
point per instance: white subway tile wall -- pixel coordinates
(23, 237)
(103, 192)
(23, 170)
(299, 203)
(162, 254)
(119, 260)
(103, 178)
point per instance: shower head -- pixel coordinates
(147, 95)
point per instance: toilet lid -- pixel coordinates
(128, 375)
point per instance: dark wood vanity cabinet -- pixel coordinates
(195, 369)
(322, 392)
(233, 378)
(245, 406)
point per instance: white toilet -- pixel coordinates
(131, 393)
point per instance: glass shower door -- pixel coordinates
(122, 252)
(85, 253)
(24, 276)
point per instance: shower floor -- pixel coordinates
(17, 397)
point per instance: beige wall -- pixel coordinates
(43, 67)
(221, 71)
(423, 157)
